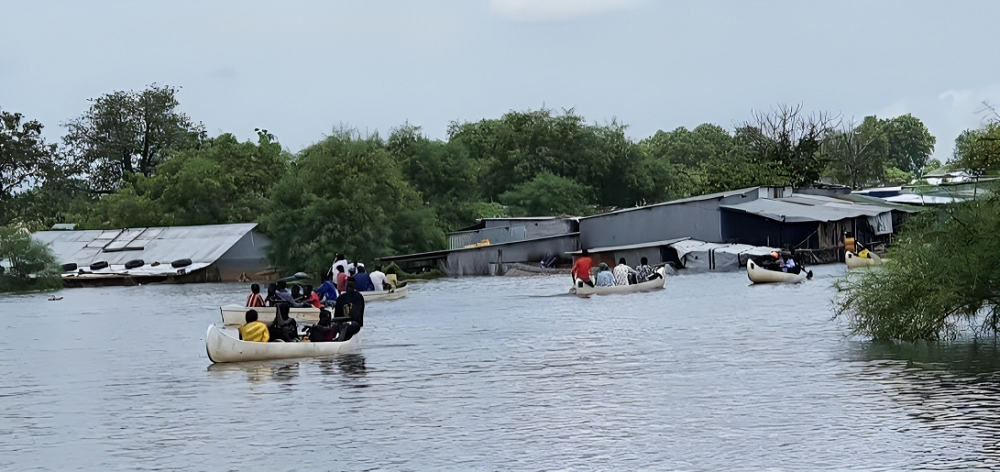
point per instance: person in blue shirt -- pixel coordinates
(327, 293)
(604, 276)
(788, 263)
(362, 280)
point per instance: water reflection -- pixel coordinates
(351, 366)
(951, 388)
(282, 372)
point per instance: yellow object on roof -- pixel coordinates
(481, 243)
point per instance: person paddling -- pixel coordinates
(581, 268)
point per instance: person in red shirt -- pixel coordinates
(341, 279)
(581, 268)
(311, 297)
(254, 299)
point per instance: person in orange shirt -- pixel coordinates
(581, 268)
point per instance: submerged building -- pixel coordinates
(181, 254)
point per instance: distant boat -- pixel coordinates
(235, 315)
(224, 345)
(855, 261)
(760, 275)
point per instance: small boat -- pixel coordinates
(235, 315)
(760, 275)
(855, 261)
(224, 345)
(583, 290)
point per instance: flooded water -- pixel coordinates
(494, 374)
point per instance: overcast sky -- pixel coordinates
(302, 68)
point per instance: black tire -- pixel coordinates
(99, 265)
(180, 263)
(135, 263)
(69, 267)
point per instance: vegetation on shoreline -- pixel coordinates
(26, 264)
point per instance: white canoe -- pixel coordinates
(224, 345)
(855, 261)
(235, 315)
(583, 290)
(760, 275)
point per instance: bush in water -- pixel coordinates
(26, 264)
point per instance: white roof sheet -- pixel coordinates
(202, 244)
(805, 208)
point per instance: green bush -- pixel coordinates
(26, 264)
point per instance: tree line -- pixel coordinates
(135, 159)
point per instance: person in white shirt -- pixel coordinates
(341, 261)
(621, 272)
(379, 280)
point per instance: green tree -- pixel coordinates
(26, 164)
(26, 264)
(125, 133)
(910, 143)
(548, 195)
(346, 194)
(978, 150)
(857, 153)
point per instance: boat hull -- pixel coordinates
(224, 347)
(855, 261)
(583, 290)
(760, 275)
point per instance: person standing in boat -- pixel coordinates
(604, 276)
(254, 331)
(581, 268)
(349, 312)
(379, 280)
(362, 280)
(255, 300)
(341, 279)
(622, 271)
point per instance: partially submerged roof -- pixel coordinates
(699, 198)
(665, 242)
(481, 223)
(443, 253)
(202, 244)
(806, 208)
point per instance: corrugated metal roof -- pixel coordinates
(202, 244)
(445, 252)
(710, 196)
(806, 208)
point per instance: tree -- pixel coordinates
(783, 145)
(346, 194)
(125, 133)
(26, 161)
(26, 264)
(857, 153)
(910, 144)
(979, 150)
(548, 195)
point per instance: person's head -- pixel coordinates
(340, 269)
(307, 290)
(282, 285)
(350, 284)
(283, 310)
(361, 268)
(254, 288)
(296, 291)
(585, 253)
(621, 260)
(786, 255)
(352, 271)
(339, 257)
(271, 289)
(325, 318)
(251, 316)
(603, 267)
(644, 261)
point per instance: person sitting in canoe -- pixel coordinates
(272, 295)
(349, 312)
(327, 293)
(284, 327)
(622, 271)
(311, 297)
(788, 264)
(581, 268)
(254, 331)
(379, 280)
(255, 299)
(362, 280)
(644, 272)
(604, 276)
(323, 331)
(286, 296)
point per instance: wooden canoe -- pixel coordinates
(760, 275)
(224, 345)
(583, 290)
(855, 261)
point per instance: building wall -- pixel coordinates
(484, 260)
(244, 257)
(744, 228)
(695, 219)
